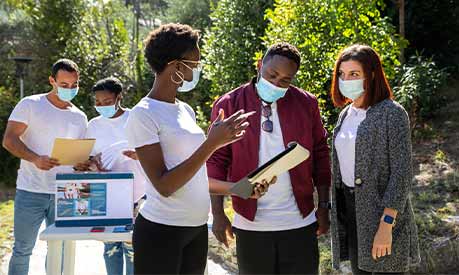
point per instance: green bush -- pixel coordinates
(320, 29)
(9, 164)
(231, 43)
(100, 47)
(416, 86)
(433, 28)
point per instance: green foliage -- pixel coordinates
(231, 43)
(416, 85)
(12, 23)
(191, 12)
(100, 47)
(54, 23)
(431, 27)
(440, 156)
(10, 163)
(320, 29)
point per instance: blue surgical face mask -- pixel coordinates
(66, 94)
(352, 89)
(268, 91)
(107, 111)
(190, 85)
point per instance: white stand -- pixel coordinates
(58, 236)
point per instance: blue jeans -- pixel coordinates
(113, 256)
(30, 209)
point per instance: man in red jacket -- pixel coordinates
(276, 234)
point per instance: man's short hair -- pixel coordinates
(64, 64)
(284, 49)
(110, 84)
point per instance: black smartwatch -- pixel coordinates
(325, 204)
(388, 219)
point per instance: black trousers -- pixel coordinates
(165, 249)
(278, 252)
(352, 239)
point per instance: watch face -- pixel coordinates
(388, 219)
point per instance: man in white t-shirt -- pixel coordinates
(34, 124)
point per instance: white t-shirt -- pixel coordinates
(173, 126)
(111, 141)
(277, 210)
(345, 143)
(45, 122)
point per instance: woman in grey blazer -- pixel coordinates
(372, 217)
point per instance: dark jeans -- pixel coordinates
(278, 252)
(352, 233)
(165, 249)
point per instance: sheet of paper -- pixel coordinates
(287, 162)
(280, 164)
(72, 151)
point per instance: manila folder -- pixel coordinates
(72, 151)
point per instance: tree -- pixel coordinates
(54, 23)
(100, 46)
(15, 33)
(10, 164)
(232, 41)
(191, 12)
(320, 29)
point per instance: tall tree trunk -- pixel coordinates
(401, 19)
(138, 65)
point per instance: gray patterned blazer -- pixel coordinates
(383, 178)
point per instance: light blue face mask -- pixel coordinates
(268, 91)
(190, 85)
(66, 94)
(106, 111)
(352, 89)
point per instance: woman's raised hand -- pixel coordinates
(224, 131)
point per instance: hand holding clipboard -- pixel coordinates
(284, 161)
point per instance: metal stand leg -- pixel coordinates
(54, 258)
(69, 257)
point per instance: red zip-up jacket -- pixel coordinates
(300, 121)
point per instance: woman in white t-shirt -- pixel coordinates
(113, 153)
(170, 233)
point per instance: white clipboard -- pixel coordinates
(284, 161)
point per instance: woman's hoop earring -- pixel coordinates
(180, 75)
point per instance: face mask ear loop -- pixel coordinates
(118, 102)
(180, 75)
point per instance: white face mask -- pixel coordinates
(352, 89)
(186, 86)
(190, 85)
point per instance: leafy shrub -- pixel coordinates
(416, 85)
(9, 163)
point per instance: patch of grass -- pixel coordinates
(433, 204)
(325, 264)
(440, 156)
(424, 132)
(229, 211)
(6, 226)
